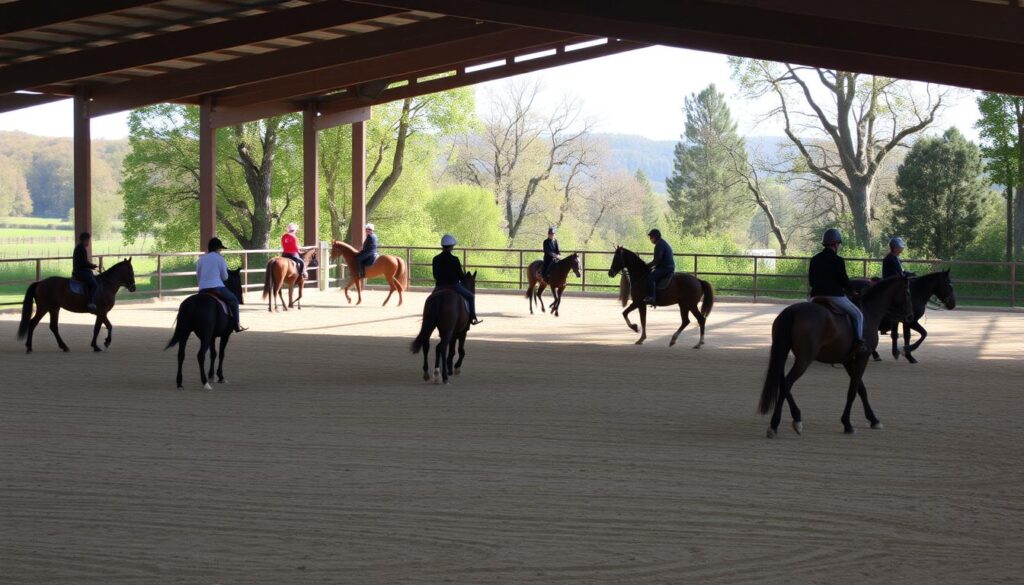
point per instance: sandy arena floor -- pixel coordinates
(562, 454)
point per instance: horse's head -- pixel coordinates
(234, 284)
(337, 249)
(944, 290)
(313, 257)
(122, 274)
(576, 265)
(618, 262)
(470, 281)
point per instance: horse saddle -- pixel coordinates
(77, 287)
(441, 289)
(665, 281)
(828, 304)
(223, 304)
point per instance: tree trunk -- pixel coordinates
(1018, 223)
(1009, 223)
(397, 161)
(860, 209)
(1018, 228)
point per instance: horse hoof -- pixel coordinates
(426, 377)
(911, 359)
(639, 342)
(222, 381)
(181, 388)
(672, 342)
(698, 346)
(771, 433)
(458, 371)
(207, 386)
(29, 350)
(876, 357)
(877, 425)
(96, 349)
(446, 382)
(65, 349)
(798, 426)
(849, 430)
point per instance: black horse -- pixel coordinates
(204, 315)
(556, 278)
(922, 289)
(445, 311)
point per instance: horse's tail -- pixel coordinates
(268, 279)
(624, 286)
(709, 298)
(431, 314)
(181, 325)
(26, 310)
(782, 331)
(402, 275)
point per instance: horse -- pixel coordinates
(445, 311)
(54, 293)
(392, 268)
(684, 290)
(814, 331)
(206, 316)
(281, 271)
(557, 276)
(922, 289)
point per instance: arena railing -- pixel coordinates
(749, 276)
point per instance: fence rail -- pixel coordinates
(753, 276)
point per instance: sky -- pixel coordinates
(638, 92)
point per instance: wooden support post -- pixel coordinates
(358, 216)
(82, 164)
(207, 177)
(310, 178)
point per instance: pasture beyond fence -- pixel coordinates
(978, 283)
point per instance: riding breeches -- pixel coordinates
(298, 260)
(470, 298)
(88, 279)
(228, 297)
(851, 309)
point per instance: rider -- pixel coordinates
(211, 272)
(828, 278)
(448, 273)
(290, 248)
(891, 265)
(368, 255)
(664, 264)
(81, 269)
(551, 252)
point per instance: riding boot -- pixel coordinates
(651, 299)
(860, 347)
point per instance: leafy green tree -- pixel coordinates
(941, 194)
(704, 188)
(467, 212)
(50, 180)
(14, 196)
(1001, 127)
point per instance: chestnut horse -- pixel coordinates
(557, 276)
(53, 294)
(392, 268)
(446, 311)
(282, 271)
(815, 332)
(684, 290)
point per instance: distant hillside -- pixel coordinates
(655, 158)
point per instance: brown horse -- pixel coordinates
(557, 276)
(684, 290)
(814, 332)
(54, 293)
(282, 271)
(392, 268)
(445, 311)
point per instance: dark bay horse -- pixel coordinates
(284, 271)
(445, 311)
(54, 293)
(684, 290)
(205, 316)
(391, 268)
(813, 332)
(922, 289)
(557, 276)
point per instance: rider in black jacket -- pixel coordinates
(891, 265)
(81, 269)
(448, 273)
(828, 278)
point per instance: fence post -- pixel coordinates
(408, 262)
(39, 269)
(695, 265)
(520, 269)
(323, 262)
(755, 279)
(245, 271)
(1013, 284)
(101, 263)
(159, 277)
(583, 271)
(865, 263)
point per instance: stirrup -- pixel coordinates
(476, 321)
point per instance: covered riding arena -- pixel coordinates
(562, 453)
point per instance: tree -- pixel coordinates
(702, 190)
(520, 150)
(14, 195)
(1001, 127)
(469, 213)
(614, 195)
(871, 116)
(941, 195)
(50, 180)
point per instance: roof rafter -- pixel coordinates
(27, 15)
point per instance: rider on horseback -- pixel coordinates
(663, 265)
(448, 273)
(81, 270)
(551, 252)
(891, 265)
(211, 272)
(828, 278)
(290, 248)
(368, 255)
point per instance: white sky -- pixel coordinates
(637, 92)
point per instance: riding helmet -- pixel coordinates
(369, 226)
(551, 230)
(448, 240)
(292, 228)
(897, 242)
(655, 232)
(832, 236)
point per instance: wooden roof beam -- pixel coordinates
(16, 101)
(185, 43)
(32, 14)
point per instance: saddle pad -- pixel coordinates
(828, 304)
(443, 289)
(223, 304)
(77, 288)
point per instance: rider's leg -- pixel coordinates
(858, 319)
(231, 299)
(470, 300)
(652, 284)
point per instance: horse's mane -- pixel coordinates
(114, 267)
(879, 287)
(345, 246)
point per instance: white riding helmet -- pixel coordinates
(369, 226)
(292, 228)
(448, 240)
(897, 242)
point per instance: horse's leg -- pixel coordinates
(625, 315)
(529, 295)
(557, 293)
(869, 413)
(786, 395)
(450, 358)
(462, 351)
(895, 335)
(446, 359)
(280, 294)
(701, 321)
(220, 365)
(643, 323)
(426, 356)
(392, 285)
(359, 290)
(855, 368)
(181, 359)
(437, 360)
(96, 332)
(213, 357)
(348, 285)
(540, 298)
(54, 320)
(204, 344)
(684, 312)
(916, 326)
(40, 313)
(110, 330)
